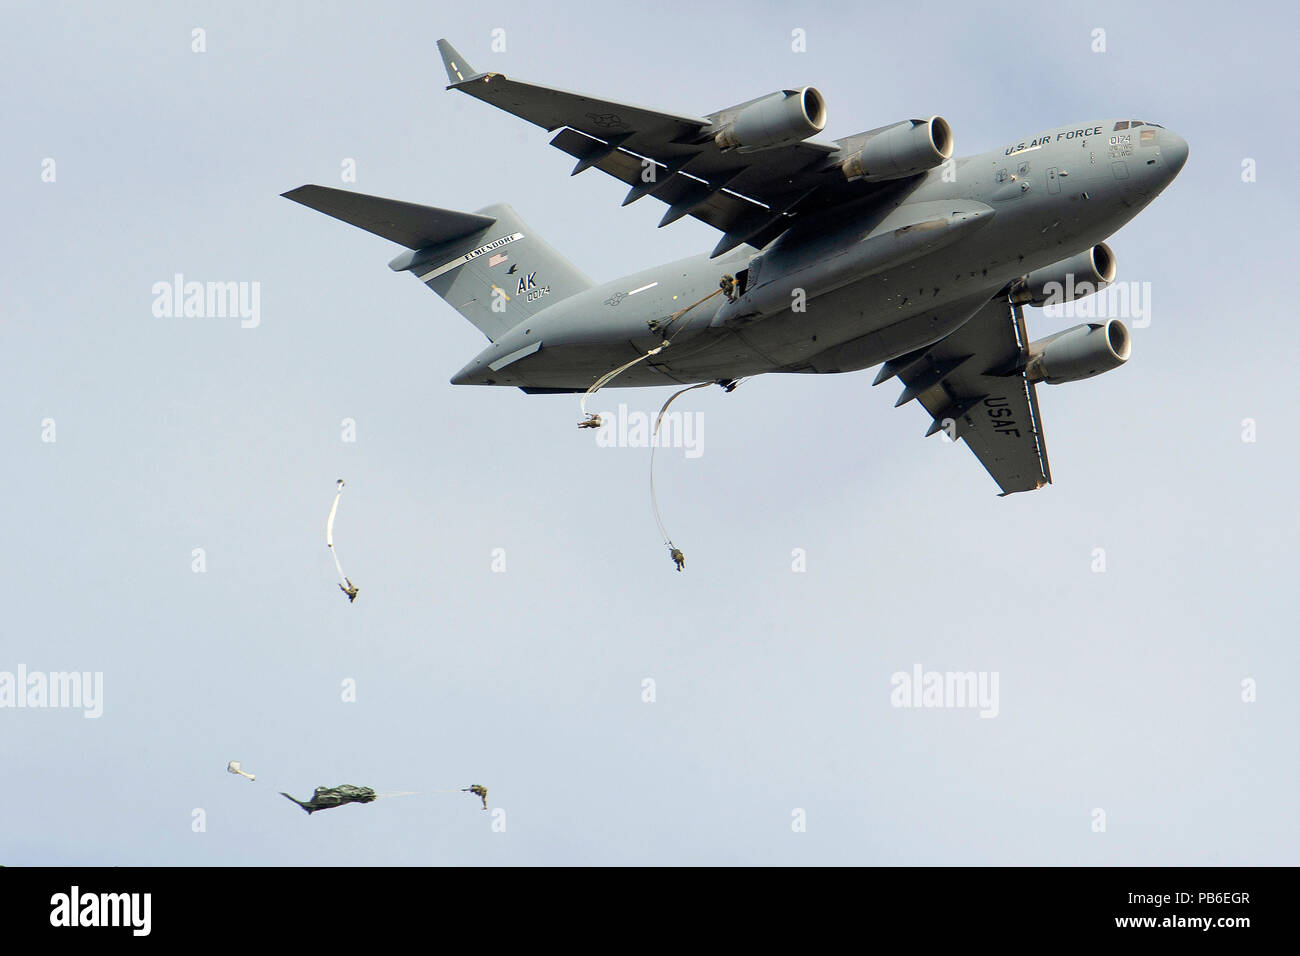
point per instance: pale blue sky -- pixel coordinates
(1118, 690)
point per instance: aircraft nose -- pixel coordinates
(1174, 150)
(471, 374)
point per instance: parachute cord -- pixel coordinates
(329, 530)
(267, 783)
(677, 555)
(342, 577)
(591, 420)
(388, 793)
(609, 376)
(680, 312)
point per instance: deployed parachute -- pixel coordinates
(674, 552)
(346, 586)
(326, 798)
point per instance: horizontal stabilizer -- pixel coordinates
(407, 223)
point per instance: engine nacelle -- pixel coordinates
(909, 148)
(1079, 353)
(777, 120)
(1073, 278)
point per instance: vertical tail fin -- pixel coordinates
(498, 277)
(489, 266)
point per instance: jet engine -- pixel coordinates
(1079, 353)
(777, 120)
(909, 148)
(1088, 272)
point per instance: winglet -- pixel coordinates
(458, 70)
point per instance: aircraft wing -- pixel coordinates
(973, 385)
(750, 197)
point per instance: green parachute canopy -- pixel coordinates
(327, 797)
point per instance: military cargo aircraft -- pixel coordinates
(835, 256)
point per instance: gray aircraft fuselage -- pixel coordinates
(851, 289)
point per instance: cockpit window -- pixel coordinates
(1137, 123)
(1156, 125)
(1122, 124)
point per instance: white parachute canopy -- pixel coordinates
(345, 585)
(234, 767)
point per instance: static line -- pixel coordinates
(345, 584)
(591, 420)
(654, 500)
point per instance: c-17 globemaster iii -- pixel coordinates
(835, 256)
